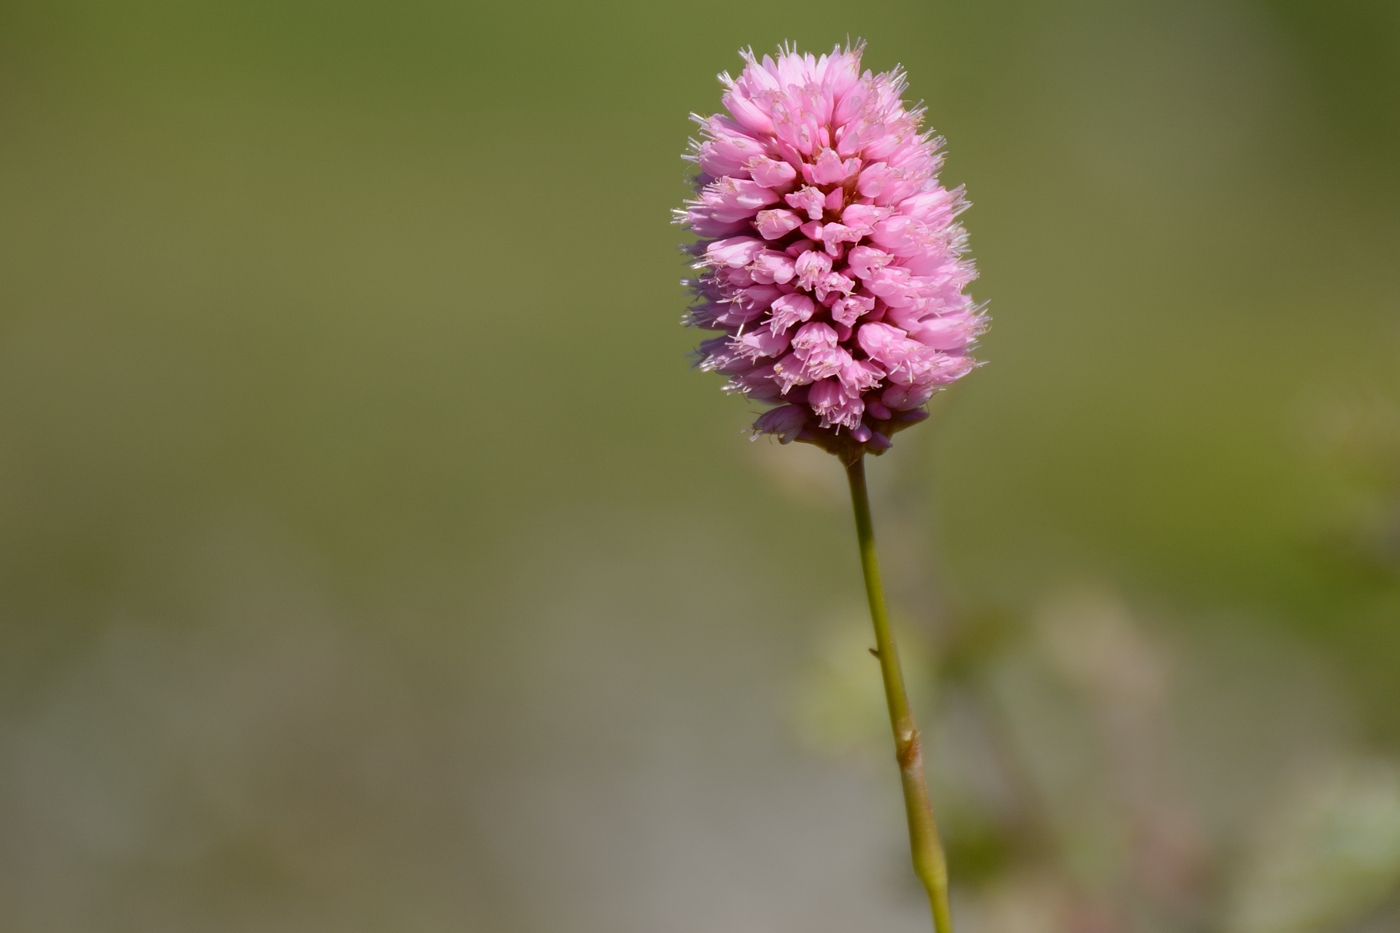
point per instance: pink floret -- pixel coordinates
(829, 256)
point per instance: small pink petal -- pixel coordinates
(785, 422)
(811, 267)
(771, 173)
(831, 403)
(776, 223)
(829, 169)
(771, 267)
(791, 309)
(736, 251)
(810, 200)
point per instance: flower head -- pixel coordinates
(828, 254)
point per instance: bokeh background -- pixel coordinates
(370, 559)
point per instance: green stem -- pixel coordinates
(929, 863)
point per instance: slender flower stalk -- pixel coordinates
(924, 846)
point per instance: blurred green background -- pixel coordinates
(371, 560)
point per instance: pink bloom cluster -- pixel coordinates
(828, 253)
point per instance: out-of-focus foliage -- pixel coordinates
(1329, 856)
(370, 560)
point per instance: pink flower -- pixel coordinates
(829, 256)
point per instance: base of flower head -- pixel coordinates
(789, 423)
